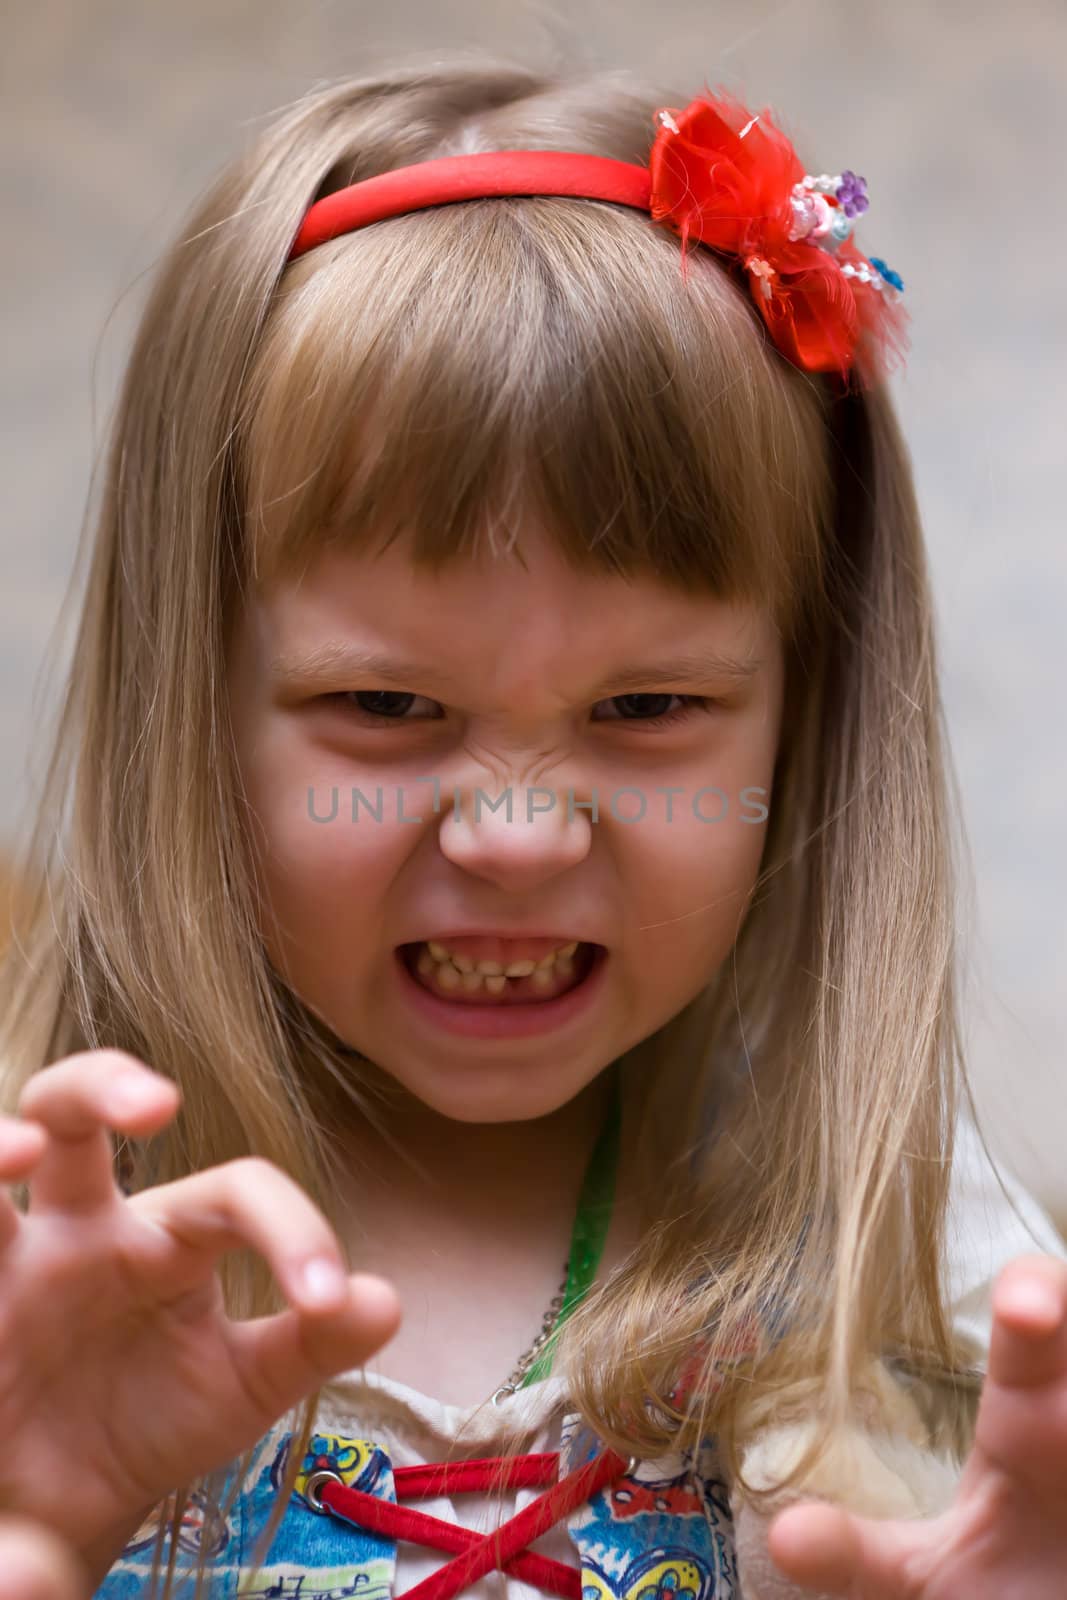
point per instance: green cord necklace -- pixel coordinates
(591, 1223)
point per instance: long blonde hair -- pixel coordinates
(424, 376)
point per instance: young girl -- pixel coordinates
(501, 800)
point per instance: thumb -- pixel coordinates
(824, 1547)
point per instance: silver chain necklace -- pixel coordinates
(587, 1242)
(525, 1362)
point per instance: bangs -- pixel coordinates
(445, 375)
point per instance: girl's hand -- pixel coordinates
(36, 1565)
(121, 1377)
(1006, 1533)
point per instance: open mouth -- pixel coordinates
(489, 984)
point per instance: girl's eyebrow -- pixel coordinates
(334, 659)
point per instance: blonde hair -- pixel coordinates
(425, 376)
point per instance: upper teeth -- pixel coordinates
(496, 969)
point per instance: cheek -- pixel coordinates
(693, 873)
(691, 869)
(323, 876)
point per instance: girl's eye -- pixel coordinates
(382, 705)
(650, 710)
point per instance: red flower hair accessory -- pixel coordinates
(731, 181)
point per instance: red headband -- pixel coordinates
(716, 176)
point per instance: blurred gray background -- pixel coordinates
(115, 114)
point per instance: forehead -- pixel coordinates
(521, 614)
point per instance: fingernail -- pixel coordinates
(19, 1134)
(376, 1294)
(1037, 1301)
(323, 1283)
(131, 1094)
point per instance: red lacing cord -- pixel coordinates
(476, 1554)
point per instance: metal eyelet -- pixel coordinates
(315, 1482)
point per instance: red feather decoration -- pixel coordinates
(731, 181)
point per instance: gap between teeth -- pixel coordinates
(454, 972)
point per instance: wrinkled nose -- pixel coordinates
(518, 836)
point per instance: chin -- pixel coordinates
(513, 1094)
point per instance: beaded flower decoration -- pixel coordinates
(732, 182)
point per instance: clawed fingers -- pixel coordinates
(76, 1102)
(335, 1321)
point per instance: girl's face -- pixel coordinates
(383, 715)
